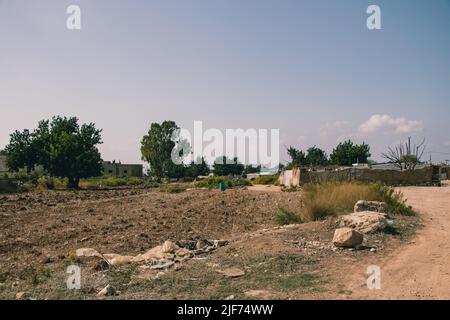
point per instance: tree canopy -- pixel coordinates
(60, 146)
(347, 153)
(224, 166)
(316, 157)
(160, 146)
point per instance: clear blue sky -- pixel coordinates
(310, 68)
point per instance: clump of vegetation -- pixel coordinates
(332, 198)
(102, 182)
(172, 188)
(284, 217)
(230, 182)
(273, 179)
(61, 146)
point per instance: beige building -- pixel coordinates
(118, 169)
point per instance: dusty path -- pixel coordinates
(420, 270)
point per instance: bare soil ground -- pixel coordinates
(39, 230)
(421, 269)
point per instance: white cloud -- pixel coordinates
(388, 124)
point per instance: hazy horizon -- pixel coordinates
(309, 68)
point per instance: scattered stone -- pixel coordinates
(161, 257)
(22, 295)
(169, 247)
(230, 297)
(376, 206)
(107, 291)
(347, 237)
(373, 250)
(262, 294)
(116, 259)
(183, 252)
(202, 244)
(162, 265)
(87, 252)
(365, 221)
(232, 272)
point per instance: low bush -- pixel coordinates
(111, 182)
(172, 188)
(230, 182)
(266, 180)
(328, 199)
(285, 216)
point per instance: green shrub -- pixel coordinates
(46, 183)
(151, 184)
(329, 199)
(266, 180)
(285, 216)
(230, 182)
(172, 188)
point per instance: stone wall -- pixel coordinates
(390, 177)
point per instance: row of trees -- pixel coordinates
(63, 148)
(345, 154)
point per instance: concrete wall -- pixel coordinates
(290, 178)
(390, 177)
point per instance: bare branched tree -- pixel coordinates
(405, 156)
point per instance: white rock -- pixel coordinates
(107, 291)
(87, 252)
(365, 221)
(347, 237)
(377, 206)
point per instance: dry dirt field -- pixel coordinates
(40, 232)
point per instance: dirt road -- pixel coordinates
(421, 269)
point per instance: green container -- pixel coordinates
(222, 186)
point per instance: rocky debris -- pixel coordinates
(116, 259)
(365, 221)
(87, 252)
(261, 294)
(232, 272)
(162, 264)
(376, 206)
(309, 247)
(22, 295)
(107, 291)
(160, 257)
(347, 237)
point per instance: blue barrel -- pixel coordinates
(222, 186)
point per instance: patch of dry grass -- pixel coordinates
(329, 199)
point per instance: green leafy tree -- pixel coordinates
(252, 169)
(21, 151)
(316, 157)
(298, 158)
(198, 168)
(224, 166)
(61, 147)
(347, 153)
(159, 144)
